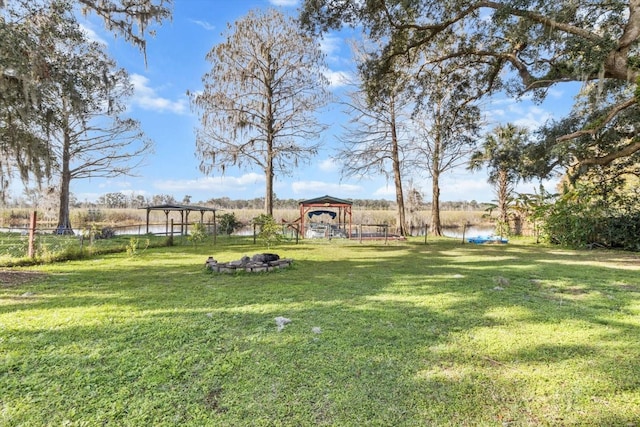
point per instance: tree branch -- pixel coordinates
(607, 119)
(627, 150)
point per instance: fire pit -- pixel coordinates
(257, 263)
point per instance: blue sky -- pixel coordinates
(175, 64)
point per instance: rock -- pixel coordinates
(281, 322)
(265, 257)
(210, 263)
(257, 263)
(502, 281)
(242, 262)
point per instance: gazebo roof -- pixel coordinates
(181, 208)
(326, 200)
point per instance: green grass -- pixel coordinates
(410, 335)
(54, 248)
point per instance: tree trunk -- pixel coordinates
(436, 226)
(402, 221)
(268, 198)
(397, 177)
(268, 195)
(64, 222)
(269, 125)
(503, 202)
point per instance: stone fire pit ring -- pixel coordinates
(257, 263)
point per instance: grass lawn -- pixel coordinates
(404, 334)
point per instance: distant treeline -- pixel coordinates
(123, 201)
(372, 204)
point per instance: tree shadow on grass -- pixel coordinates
(410, 336)
(374, 360)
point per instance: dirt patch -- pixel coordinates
(10, 278)
(573, 291)
(212, 400)
(630, 288)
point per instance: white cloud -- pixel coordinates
(520, 112)
(328, 165)
(385, 192)
(221, 184)
(550, 185)
(496, 113)
(286, 3)
(453, 189)
(92, 35)
(111, 184)
(87, 196)
(555, 93)
(204, 24)
(338, 78)
(533, 117)
(83, 190)
(319, 188)
(146, 98)
(330, 44)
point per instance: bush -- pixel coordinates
(581, 219)
(270, 231)
(133, 247)
(198, 233)
(228, 223)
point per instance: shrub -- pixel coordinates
(133, 246)
(579, 218)
(270, 231)
(228, 223)
(198, 233)
(106, 233)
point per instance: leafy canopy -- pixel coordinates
(518, 46)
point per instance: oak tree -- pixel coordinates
(32, 32)
(518, 46)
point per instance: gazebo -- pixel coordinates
(308, 207)
(184, 214)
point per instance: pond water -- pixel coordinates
(133, 230)
(469, 232)
(455, 232)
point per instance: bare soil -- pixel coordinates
(10, 278)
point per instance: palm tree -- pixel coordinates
(501, 154)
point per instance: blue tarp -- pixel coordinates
(487, 239)
(330, 213)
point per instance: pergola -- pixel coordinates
(343, 206)
(184, 214)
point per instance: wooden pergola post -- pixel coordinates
(184, 215)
